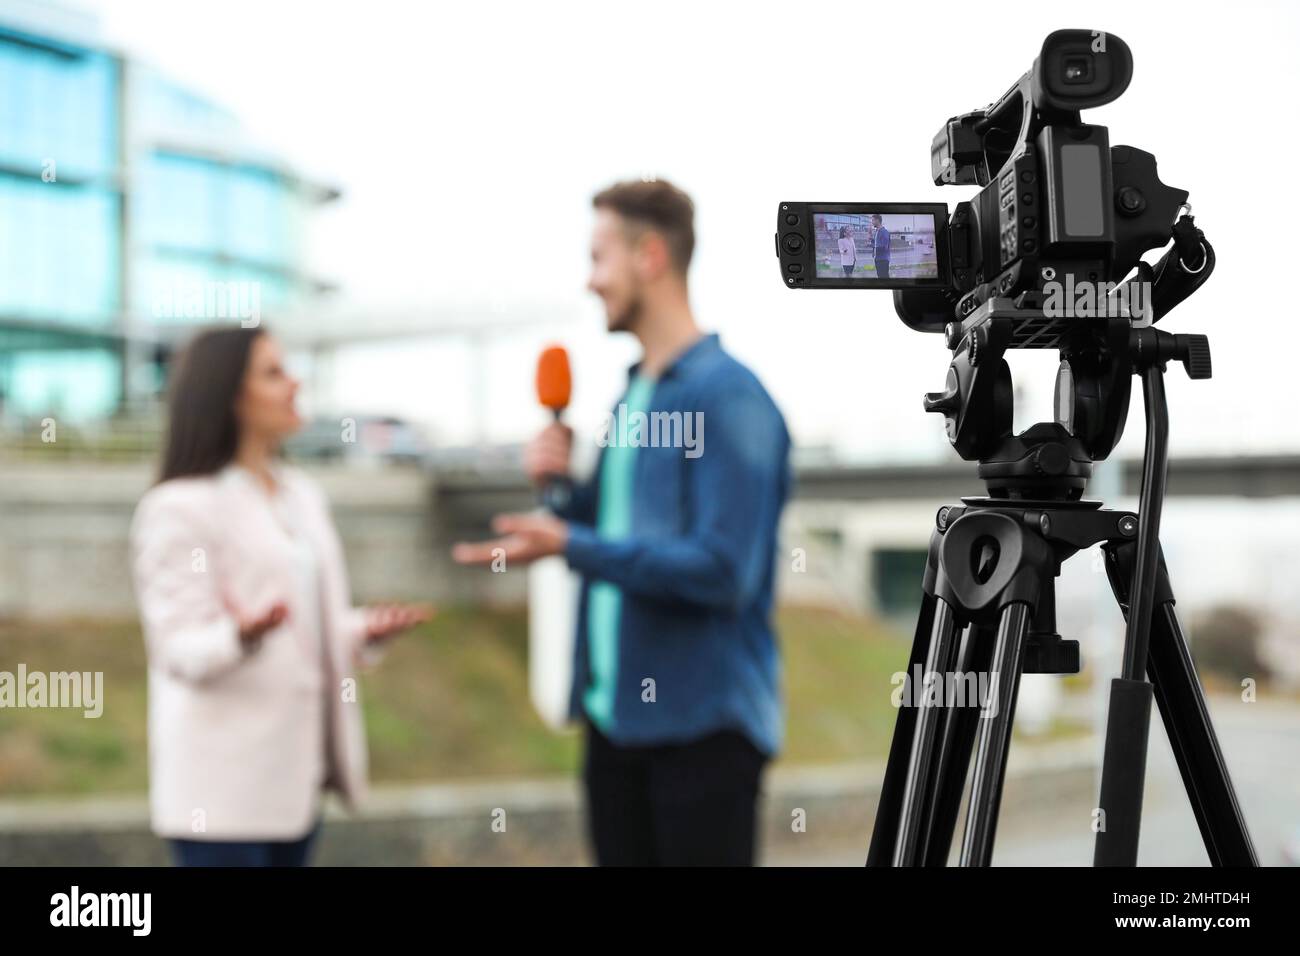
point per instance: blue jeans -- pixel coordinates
(250, 853)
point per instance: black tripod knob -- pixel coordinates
(945, 402)
(1196, 355)
(949, 400)
(1150, 346)
(1051, 459)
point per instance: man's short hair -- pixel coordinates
(657, 205)
(876, 215)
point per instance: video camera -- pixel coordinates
(1034, 260)
(1057, 199)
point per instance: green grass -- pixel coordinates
(450, 701)
(837, 670)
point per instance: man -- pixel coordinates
(676, 671)
(881, 246)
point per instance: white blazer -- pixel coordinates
(237, 738)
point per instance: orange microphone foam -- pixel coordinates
(554, 383)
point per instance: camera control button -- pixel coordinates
(793, 242)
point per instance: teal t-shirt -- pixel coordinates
(613, 520)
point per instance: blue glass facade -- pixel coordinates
(58, 102)
(199, 220)
(60, 236)
(101, 235)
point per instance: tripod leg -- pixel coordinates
(884, 834)
(913, 809)
(1187, 723)
(954, 752)
(995, 735)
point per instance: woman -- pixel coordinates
(848, 251)
(250, 635)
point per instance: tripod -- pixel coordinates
(989, 606)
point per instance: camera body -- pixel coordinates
(1057, 203)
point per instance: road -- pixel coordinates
(1261, 744)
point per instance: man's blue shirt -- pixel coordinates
(882, 243)
(697, 652)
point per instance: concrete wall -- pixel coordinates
(63, 538)
(63, 547)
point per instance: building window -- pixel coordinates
(59, 253)
(896, 577)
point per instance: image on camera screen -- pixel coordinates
(871, 246)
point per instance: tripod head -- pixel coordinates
(1099, 354)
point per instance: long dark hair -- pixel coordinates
(202, 432)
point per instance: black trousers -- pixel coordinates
(674, 805)
(882, 268)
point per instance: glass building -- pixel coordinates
(130, 211)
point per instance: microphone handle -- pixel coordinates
(557, 490)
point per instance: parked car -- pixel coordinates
(361, 438)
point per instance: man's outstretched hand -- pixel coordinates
(524, 538)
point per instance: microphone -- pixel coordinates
(554, 386)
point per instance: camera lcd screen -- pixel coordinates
(872, 247)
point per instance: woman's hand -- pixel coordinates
(253, 629)
(388, 620)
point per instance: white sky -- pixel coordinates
(468, 139)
